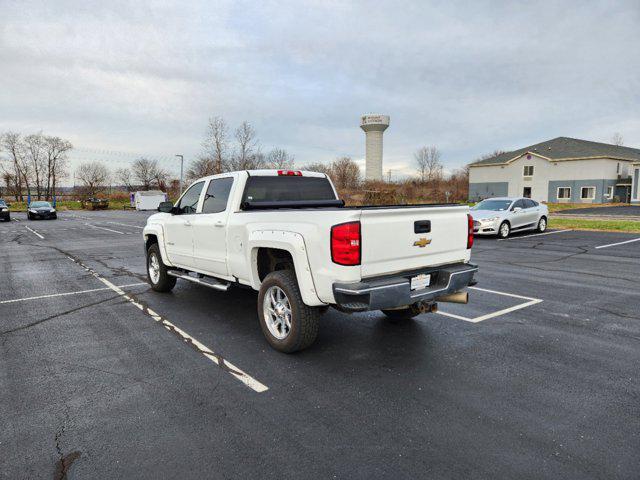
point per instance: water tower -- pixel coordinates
(374, 126)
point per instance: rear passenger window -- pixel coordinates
(529, 203)
(215, 200)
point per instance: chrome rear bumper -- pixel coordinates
(395, 291)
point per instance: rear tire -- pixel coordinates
(542, 224)
(504, 230)
(400, 315)
(157, 275)
(286, 322)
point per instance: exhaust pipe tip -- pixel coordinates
(458, 297)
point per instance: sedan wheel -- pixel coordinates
(542, 224)
(504, 230)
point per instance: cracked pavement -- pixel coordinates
(92, 387)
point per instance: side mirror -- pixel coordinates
(165, 207)
(516, 209)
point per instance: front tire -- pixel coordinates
(286, 322)
(29, 217)
(157, 274)
(504, 230)
(542, 224)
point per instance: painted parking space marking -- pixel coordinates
(619, 243)
(65, 294)
(221, 362)
(529, 302)
(535, 235)
(126, 225)
(104, 228)
(34, 232)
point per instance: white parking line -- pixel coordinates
(221, 362)
(535, 235)
(104, 228)
(126, 225)
(34, 232)
(530, 301)
(39, 297)
(619, 243)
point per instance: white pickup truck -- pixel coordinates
(287, 235)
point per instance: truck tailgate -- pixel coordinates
(406, 238)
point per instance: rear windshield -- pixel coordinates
(287, 189)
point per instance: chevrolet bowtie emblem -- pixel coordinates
(423, 242)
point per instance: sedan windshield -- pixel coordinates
(495, 205)
(40, 204)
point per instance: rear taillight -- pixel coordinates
(290, 173)
(345, 243)
(469, 231)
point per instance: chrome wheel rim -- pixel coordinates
(154, 268)
(504, 230)
(542, 225)
(277, 312)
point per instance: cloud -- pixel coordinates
(144, 77)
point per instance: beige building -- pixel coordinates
(560, 170)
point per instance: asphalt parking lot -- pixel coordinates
(538, 377)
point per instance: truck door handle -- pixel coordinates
(187, 223)
(219, 223)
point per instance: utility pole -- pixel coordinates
(181, 170)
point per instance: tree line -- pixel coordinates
(35, 163)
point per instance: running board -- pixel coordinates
(213, 283)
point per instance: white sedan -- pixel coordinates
(501, 216)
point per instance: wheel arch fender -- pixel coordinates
(293, 243)
(156, 231)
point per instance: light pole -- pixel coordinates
(181, 170)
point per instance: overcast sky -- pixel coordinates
(470, 77)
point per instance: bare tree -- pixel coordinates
(148, 173)
(429, 165)
(345, 173)
(215, 144)
(201, 167)
(34, 146)
(617, 139)
(56, 150)
(93, 176)
(279, 158)
(16, 165)
(318, 167)
(124, 177)
(247, 154)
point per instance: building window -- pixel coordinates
(564, 193)
(526, 192)
(609, 191)
(528, 170)
(588, 193)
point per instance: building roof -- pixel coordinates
(564, 148)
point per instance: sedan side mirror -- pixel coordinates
(516, 209)
(166, 207)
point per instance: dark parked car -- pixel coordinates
(5, 214)
(95, 204)
(41, 210)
